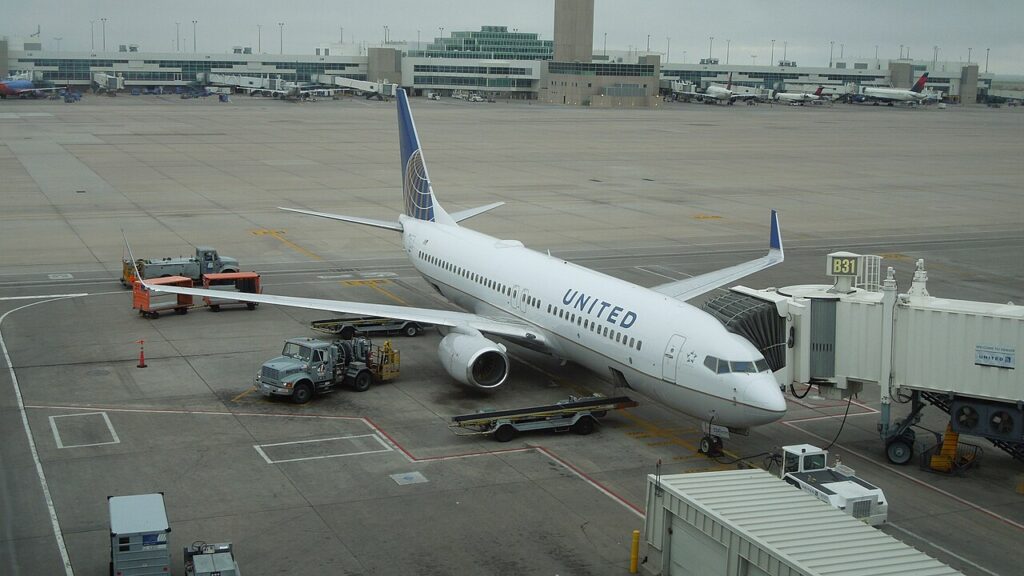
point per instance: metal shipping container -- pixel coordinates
(138, 535)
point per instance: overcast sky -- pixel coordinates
(856, 26)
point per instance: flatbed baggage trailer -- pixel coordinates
(348, 326)
(576, 414)
(245, 282)
(150, 305)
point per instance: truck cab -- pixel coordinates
(210, 262)
(806, 467)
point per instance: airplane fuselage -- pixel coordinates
(623, 332)
(893, 94)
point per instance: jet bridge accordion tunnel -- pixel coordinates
(754, 319)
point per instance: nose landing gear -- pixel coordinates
(710, 445)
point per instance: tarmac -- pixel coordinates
(375, 482)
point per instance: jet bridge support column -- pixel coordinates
(885, 372)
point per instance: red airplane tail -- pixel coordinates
(818, 91)
(919, 85)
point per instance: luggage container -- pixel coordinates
(150, 305)
(138, 535)
(246, 282)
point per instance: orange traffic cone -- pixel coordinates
(142, 355)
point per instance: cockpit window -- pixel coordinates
(742, 366)
(719, 366)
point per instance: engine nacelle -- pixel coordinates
(474, 360)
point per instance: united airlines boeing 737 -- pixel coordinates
(648, 339)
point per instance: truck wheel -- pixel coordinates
(411, 330)
(215, 307)
(362, 381)
(583, 426)
(347, 332)
(504, 433)
(302, 393)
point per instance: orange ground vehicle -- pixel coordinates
(150, 305)
(248, 282)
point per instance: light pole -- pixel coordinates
(648, 42)
(441, 28)
(831, 46)
(901, 51)
(92, 35)
(103, 26)
(842, 48)
(969, 55)
(684, 56)
(385, 33)
(605, 44)
(280, 28)
(668, 48)
(177, 36)
(58, 39)
(727, 44)
(986, 60)
(711, 42)
(417, 39)
(935, 56)
(785, 46)
(194, 22)
(753, 59)
(771, 59)
(259, 38)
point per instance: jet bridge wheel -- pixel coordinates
(901, 449)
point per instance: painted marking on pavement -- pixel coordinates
(375, 284)
(937, 547)
(240, 396)
(279, 236)
(42, 296)
(60, 443)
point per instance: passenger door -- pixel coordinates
(672, 351)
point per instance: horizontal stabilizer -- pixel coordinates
(467, 214)
(354, 219)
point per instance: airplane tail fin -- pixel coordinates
(419, 195)
(818, 91)
(728, 85)
(919, 85)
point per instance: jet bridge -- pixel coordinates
(379, 90)
(957, 355)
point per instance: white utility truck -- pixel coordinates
(806, 467)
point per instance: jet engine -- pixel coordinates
(473, 360)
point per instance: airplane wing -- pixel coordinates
(497, 325)
(697, 285)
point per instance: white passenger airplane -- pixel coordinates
(715, 93)
(648, 339)
(799, 98)
(892, 95)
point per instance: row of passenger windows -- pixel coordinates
(600, 330)
(719, 366)
(479, 279)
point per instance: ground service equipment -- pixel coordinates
(150, 305)
(806, 467)
(206, 261)
(248, 282)
(577, 414)
(349, 326)
(138, 535)
(202, 559)
(308, 366)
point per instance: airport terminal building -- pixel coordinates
(493, 61)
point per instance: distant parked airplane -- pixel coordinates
(715, 94)
(799, 98)
(891, 96)
(20, 87)
(648, 339)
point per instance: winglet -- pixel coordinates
(131, 257)
(775, 241)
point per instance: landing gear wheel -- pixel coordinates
(362, 381)
(251, 305)
(899, 451)
(504, 433)
(303, 393)
(411, 330)
(583, 426)
(710, 445)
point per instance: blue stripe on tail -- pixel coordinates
(419, 199)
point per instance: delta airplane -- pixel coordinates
(893, 95)
(648, 339)
(715, 93)
(799, 98)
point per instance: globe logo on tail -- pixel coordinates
(418, 200)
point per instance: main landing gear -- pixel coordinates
(710, 445)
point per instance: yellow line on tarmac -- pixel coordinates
(279, 235)
(375, 284)
(239, 397)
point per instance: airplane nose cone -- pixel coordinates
(764, 397)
